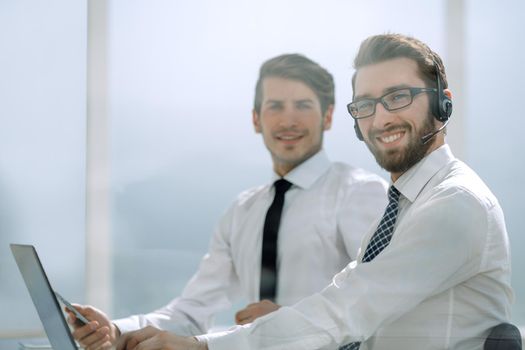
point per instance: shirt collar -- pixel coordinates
(305, 174)
(414, 179)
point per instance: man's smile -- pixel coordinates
(289, 137)
(391, 138)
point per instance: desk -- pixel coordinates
(8, 344)
(13, 343)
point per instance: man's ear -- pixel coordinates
(256, 121)
(327, 118)
(448, 93)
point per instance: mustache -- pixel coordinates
(292, 130)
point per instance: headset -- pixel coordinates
(441, 109)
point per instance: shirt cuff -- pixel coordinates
(126, 324)
(231, 339)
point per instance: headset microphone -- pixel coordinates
(428, 137)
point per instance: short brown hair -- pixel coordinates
(380, 48)
(300, 68)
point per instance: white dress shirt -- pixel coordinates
(327, 211)
(441, 283)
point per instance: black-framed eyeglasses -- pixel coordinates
(392, 101)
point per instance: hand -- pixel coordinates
(255, 310)
(99, 333)
(151, 338)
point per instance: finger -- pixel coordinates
(240, 315)
(246, 320)
(106, 346)
(81, 332)
(132, 343)
(123, 340)
(251, 312)
(86, 310)
(237, 317)
(259, 312)
(100, 344)
(95, 337)
(71, 318)
(153, 343)
(132, 339)
(148, 344)
(243, 317)
(146, 333)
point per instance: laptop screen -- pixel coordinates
(43, 297)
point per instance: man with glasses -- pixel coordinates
(320, 216)
(434, 273)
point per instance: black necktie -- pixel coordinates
(268, 284)
(380, 239)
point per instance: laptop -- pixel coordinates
(47, 306)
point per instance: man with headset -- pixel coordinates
(435, 272)
(326, 208)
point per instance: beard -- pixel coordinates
(400, 160)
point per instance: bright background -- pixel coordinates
(176, 143)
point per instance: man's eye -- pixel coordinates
(304, 106)
(400, 95)
(365, 105)
(275, 106)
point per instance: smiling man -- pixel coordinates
(280, 242)
(434, 272)
(291, 120)
(396, 135)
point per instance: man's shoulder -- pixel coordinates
(459, 179)
(250, 195)
(459, 203)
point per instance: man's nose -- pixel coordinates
(382, 116)
(289, 116)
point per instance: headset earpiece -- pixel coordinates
(443, 108)
(446, 108)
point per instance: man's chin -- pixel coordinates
(400, 160)
(391, 160)
(292, 159)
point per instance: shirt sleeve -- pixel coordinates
(210, 290)
(362, 207)
(438, 246)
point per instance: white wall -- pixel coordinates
(495, 117)
(42, 149)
